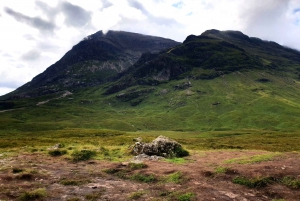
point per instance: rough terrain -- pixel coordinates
(63, 179)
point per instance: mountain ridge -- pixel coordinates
(91, 61)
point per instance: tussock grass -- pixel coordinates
(253, 182)
(38, 194)
(82, 155)
(291, 182)
(176, 177)
(136, 195)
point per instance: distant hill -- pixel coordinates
(219, 80)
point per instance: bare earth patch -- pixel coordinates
(206, 175)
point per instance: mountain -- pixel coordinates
(212, 54)
(92, 61)
(219, 80)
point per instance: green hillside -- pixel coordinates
(218, 83)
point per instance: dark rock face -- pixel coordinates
(161, 146)
(93, 61)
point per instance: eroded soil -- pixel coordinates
(102, 180)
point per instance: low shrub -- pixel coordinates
(38, 194)
(57, 152)
(136, 195)
(180, 152)
(135, 166)
(82, 155)
(186, 197)
(17, 170)
(254, 182)
(291, 182)
(175, 177)
(143, 178)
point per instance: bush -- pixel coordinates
(83, 155)
(57, 152)
(181, 152)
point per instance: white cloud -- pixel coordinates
(26, 50)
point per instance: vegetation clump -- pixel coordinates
(253, 182)
(291, 182)
(136, 195)
(135, 166)
(186, 197)
(38, 194)
(143, 178)
(82, 155)
(17, 170)
(57, 152)
(74, 182)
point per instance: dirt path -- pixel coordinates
(206, 176)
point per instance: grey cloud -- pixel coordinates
(35, 22)
(6, 55)
(263, 17)
(152, 18)
(28, 37)
(48, 10)
(75, 15)
(105, 4)
(45, 46)
(31, 55)
(8, 84)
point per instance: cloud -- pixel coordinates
(273, 20)
(49, 11)
(158, 20)
(31, 55)
(75, 15)
(5, 90)
(35, 22)
(105, 4)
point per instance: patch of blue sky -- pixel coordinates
(296, 10)
(178, 4)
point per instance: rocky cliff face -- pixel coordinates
(92, 61)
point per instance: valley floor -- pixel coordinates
(204, 175)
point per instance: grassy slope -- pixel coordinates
(244, 103)
(250, 115)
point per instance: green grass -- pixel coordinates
(252, 115)
(253, 182)
(143, 178)
(82, 155)
(136, 166)
(291, 182)
(74, 182)
(253, 159)
(57, 152)
(176, 177)
(136, 195)
(177, 160)
(93, 196)
(186, 197)
(38, 194)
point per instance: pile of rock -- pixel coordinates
(162, 147)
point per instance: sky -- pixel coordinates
(37, 33)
